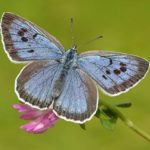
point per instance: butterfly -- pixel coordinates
(62, 79)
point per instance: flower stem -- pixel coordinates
(127, 121)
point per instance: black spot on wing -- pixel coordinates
(35, 35)
(24, 39)
(123, 64)
(108, 72)
(117, 71)
(22, 31)
(110, 61)
(123, 69)
(104, 77)
(30, 51)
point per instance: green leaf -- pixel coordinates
(108, 112)
(124, 105)
(83, 126)
(108, 123)
(108, 118)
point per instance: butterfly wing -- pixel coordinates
(24, 41)
(78, 99)
(114, 72)
(35, 83)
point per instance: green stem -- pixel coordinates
(127, 121)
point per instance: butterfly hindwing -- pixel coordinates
(114, 72)
(35, 83)
(78, 99)
(24, 41)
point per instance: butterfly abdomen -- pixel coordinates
(59, 83)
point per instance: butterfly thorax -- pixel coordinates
(69, 59)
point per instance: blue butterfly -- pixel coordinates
(64, 80)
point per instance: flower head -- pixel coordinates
(41, 120)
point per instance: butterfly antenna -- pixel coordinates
(72, 32)
(90, 41)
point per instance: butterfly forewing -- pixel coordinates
(35, 83)
(24, 41)
(78, 99)
(114, 72)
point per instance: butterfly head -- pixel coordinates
(71, 53)
(74, 49)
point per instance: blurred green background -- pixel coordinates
(125, 25)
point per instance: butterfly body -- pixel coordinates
(68, 62)
(65, 81)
